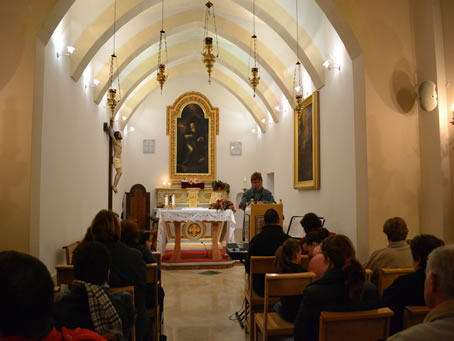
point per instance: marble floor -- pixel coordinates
(202, 306)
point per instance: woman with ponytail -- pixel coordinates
(343, 287)
(288, 260)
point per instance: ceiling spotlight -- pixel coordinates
(69, 51)
(277, 108)
(123, 118)
(330, 64)
(93, 84)
(263, 120)
(298, 88)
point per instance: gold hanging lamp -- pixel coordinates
(253, 75)
(297, 75)
(161, 74)
(208, 57)
(112, 100)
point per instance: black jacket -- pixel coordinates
(329, 293)
(405, 290)
(71, 309)
(290, 304)
(264, 244)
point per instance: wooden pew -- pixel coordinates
(387, 276)
(259, 265)
(154, 313)
(414, 315)
(359, 325)
(277, 285)
(129, 289)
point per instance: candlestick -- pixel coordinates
(166, 200)
(173, 201)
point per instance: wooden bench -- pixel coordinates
(358, 326)
(154, 313)
(414, 315)
(129, 289)
(386, 276)
(258, 265)
(277, 285)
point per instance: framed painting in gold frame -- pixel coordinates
(306, 145)
(192, 125)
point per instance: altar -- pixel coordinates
(191, 223)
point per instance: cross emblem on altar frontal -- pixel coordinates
(194, 230)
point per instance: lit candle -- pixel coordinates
(166, 200)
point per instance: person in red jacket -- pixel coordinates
(27, 301)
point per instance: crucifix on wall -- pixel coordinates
(115, 149)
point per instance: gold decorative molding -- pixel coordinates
(174, 117)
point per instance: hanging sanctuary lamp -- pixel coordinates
(208, 57)
(161, 74)
(112, 100)
(253, 74)
(297, 74)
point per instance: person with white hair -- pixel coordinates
(439, 296)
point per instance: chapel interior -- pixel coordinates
(380, 153)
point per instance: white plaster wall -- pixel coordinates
(335, 200)
(73, 162)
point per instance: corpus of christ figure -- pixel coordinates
(116, 139)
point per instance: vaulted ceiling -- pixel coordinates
(89, 26)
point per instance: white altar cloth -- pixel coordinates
(192, 214)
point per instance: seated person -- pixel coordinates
(311, 222)
(257, 193)
(409, 289)
(27, 302)
(265, 244)
(397, 254)
(439, 296)
(343, 287)
(312, 245)
(130, 237)
(288, 260)
(127, 268)
(89, 303)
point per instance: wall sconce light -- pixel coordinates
(330, 64)
(93, 84)
(70, 49)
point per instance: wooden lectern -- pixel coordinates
(255, 217)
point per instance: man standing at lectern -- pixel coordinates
(259, 194)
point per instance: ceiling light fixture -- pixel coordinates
(253, 74)
(112, 100)
(330, 64)
(208, 57)
(297, 74)
(70, 50)
(161, 74)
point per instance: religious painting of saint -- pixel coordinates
(192, 138)
(306, 145)
(192, 124)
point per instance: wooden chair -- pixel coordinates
(129, 289)
(158, 257)
(65, 275)
(154, 313)
(414, 315)
(259, 265)
(387, 276)
(369, 274)
(359, 325)
(69, 250)
(277, 285)
(305, 260)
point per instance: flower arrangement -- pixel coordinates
(223, 205)
(219, 185)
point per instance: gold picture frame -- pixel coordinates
(192, 124)
(306, 145)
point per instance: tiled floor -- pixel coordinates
(197, 306)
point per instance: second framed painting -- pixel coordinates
(306, 145)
